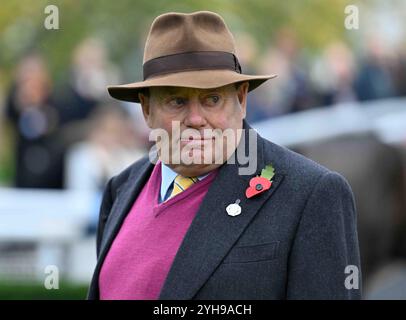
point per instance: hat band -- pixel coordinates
(189, 61)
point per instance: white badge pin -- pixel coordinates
(234, 209)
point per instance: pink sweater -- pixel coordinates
(142, 253)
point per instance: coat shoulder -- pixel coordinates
(292, 162)
(302, 173)
(294, 165)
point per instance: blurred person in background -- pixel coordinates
(91, 71)
(138, 123)
(112, 143)
(374, 79)
(333, 75)
(32, 113)
(291, 93)
(247, 50)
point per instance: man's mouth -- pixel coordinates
(195, 142)
(187, 140)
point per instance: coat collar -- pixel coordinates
(212, 232)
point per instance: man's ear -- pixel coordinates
(145, 104)
(242, 93)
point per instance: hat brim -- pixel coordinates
(201, 79)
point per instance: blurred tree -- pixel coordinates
(123, 24)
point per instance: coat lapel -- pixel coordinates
(213, 232)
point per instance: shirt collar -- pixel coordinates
(167, 177)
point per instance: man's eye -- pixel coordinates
(213, 100)
(177, 102)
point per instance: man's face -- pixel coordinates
(197, 112)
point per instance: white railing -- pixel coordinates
(53, 221)
(386, 118)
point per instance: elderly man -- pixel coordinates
(198, 219)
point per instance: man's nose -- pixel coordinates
(195, 117)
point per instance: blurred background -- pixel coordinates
(340, 99)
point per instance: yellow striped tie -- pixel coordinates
(181, 183)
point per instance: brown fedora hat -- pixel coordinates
(194, 50)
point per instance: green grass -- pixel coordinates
(37, 291)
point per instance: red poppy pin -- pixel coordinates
(261, 183)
